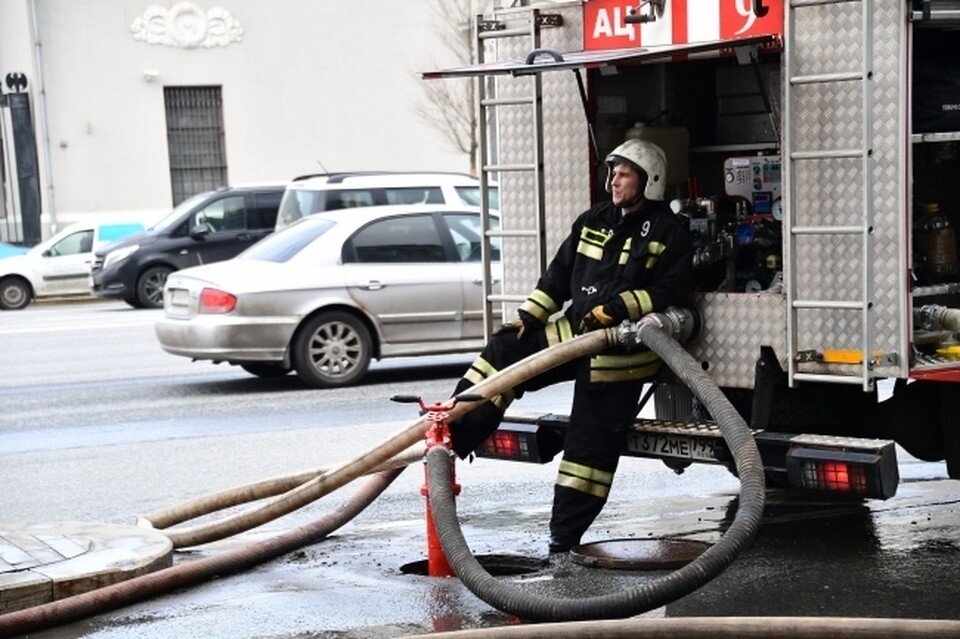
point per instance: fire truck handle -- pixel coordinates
(536, 53)
(634, 15)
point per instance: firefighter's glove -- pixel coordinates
(598, 317)
(520, 325)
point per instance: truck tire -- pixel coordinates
(150, 286)
(15, 293)
(332, 349)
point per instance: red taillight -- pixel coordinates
(522, 441)
(213, 300)
(861, 473)
(505, 445)
(831, 475)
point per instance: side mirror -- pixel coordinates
(199, 231)
(46, 253)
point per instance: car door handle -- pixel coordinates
(372, 285)
(478, 281)
(245, 236)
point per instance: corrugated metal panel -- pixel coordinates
(735, 327)
(829, 40)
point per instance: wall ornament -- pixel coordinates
(187, 26)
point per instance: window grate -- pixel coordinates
(195, 140)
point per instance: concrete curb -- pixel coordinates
(43, 563)
(67, 299)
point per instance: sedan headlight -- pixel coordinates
(120, 254)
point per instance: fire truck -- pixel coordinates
(813, 152)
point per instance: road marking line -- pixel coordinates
(51, 329)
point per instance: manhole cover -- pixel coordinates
(496, 565)
(638, 554)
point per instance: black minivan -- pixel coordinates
(209, 227)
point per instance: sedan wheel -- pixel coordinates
(332, 349)
(14, 294)
(150, 286)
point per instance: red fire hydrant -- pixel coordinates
(437, 435)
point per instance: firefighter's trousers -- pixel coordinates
(595, 437)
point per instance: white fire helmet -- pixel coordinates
(647, 156)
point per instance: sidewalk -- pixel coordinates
(43, 563)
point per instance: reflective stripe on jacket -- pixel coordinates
(631, 264)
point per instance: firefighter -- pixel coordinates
(624, 258)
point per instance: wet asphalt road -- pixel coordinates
(98, 424)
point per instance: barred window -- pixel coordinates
(198, 160)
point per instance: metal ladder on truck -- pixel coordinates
(795, 221)
(489, 103)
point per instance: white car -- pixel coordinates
(61, 264)
(311, 194)
(333, 291)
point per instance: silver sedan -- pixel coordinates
(326, 295)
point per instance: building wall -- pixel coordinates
(311, 85)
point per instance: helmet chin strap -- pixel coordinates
(632, 203)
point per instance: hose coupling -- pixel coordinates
(679, 322)
(934, 317)
(627, 334)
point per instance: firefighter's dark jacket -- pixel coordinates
(631, 264)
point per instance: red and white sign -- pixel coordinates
(683, 21)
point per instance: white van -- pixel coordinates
(61, 264)
(328, 191)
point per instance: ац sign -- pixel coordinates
(683, 21)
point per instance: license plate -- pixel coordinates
(179, 297)
(671, 446)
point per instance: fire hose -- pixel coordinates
(247, 493)
(648, 330)
(15, 624)
(721, 628)
(660, 591)
(313, 487)
(345, 472)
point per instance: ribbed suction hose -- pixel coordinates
(655, 332)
